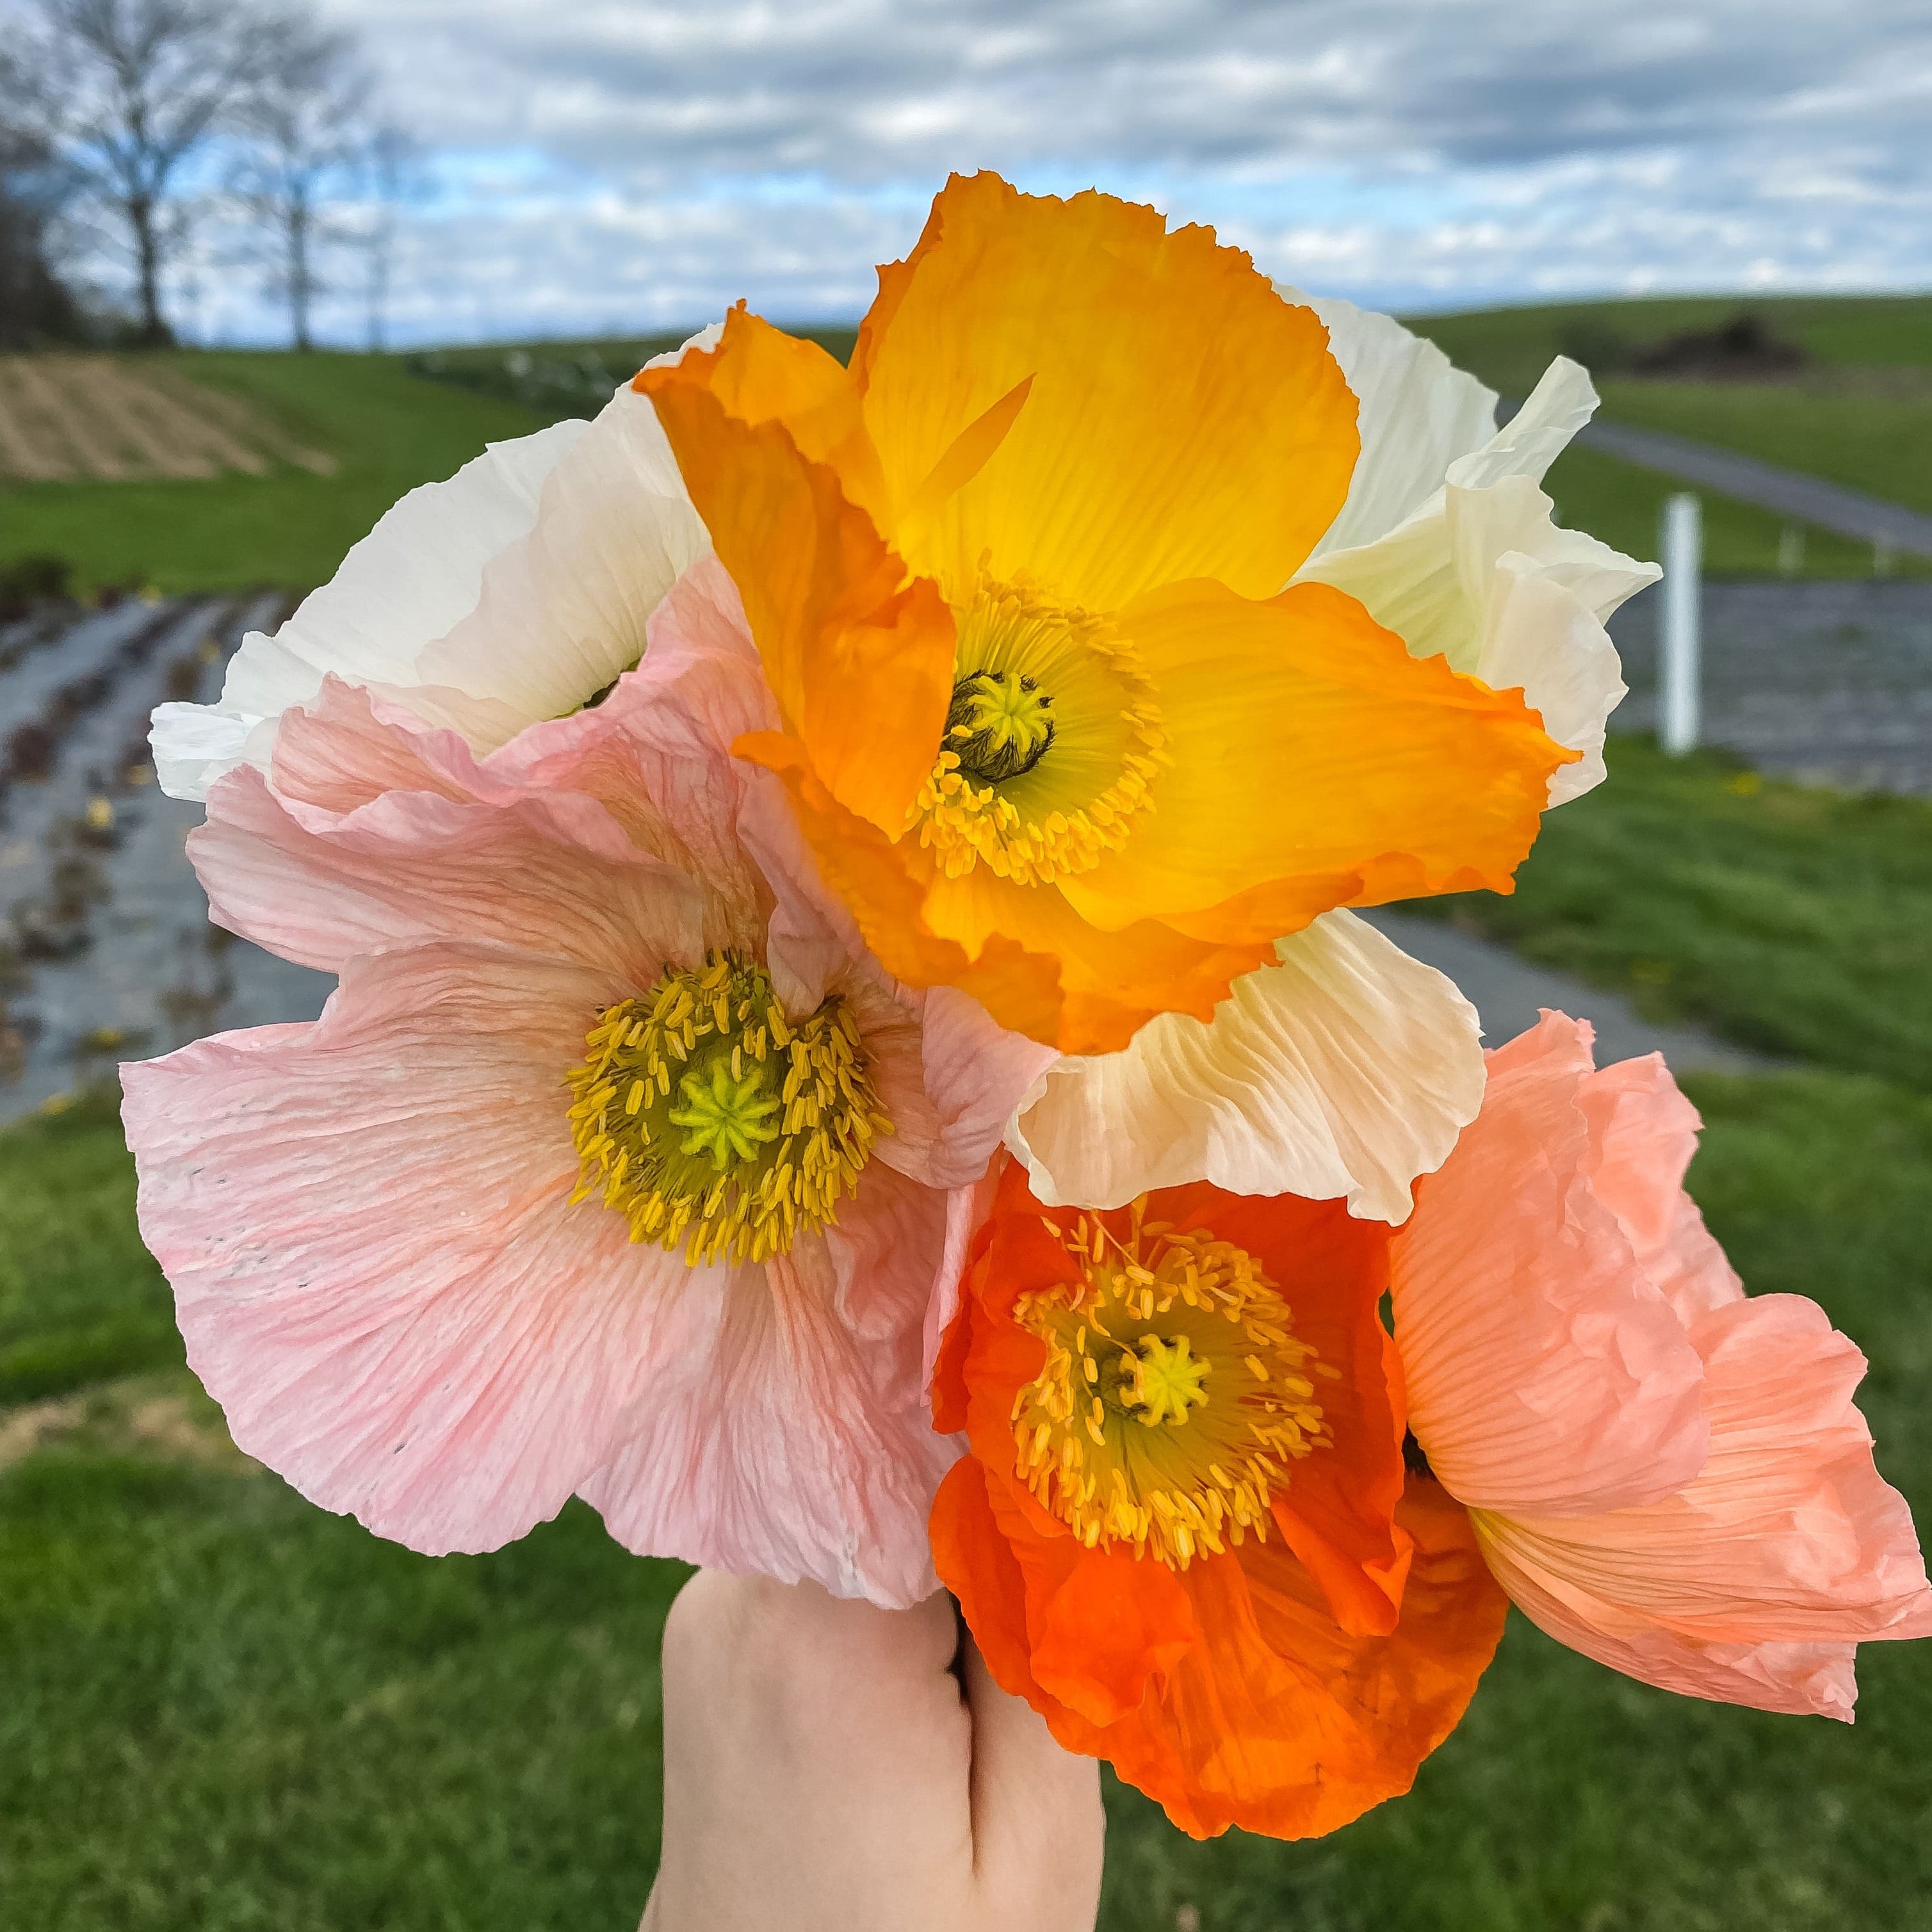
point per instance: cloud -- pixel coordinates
(619, 164)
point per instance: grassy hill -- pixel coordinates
(388, 429)
(1861, 414)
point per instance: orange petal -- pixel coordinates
(976, 1562)
(1115, 1626)
(1111, 982)
(859, 655)
(1021, 951)
(1338, 1512)
(1316, 764)
(1183, 421)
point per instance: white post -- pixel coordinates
(1678, 639)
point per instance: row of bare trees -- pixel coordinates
(126, 126)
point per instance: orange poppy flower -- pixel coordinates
(1185, 1532)
(1056, 732)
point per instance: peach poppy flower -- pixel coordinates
(1665, 1474)
(615, 1166)
(1119, 642)
(1183, 1530)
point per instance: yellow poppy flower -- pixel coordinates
(1056, 732)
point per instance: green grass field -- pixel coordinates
(388, 430)
(1509, 348)
(1864, 418)
(220, 1708)
(1861, 416)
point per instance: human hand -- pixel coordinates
(822, 1769)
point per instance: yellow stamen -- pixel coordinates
(715, 1125)
(1131, 1433)
(1050, 745)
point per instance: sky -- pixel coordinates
(614, 165)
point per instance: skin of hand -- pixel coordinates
(823, 1769)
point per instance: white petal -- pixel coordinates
(1483, 574)
(1348, 1069)
(412, 577)
(534, 529)
(562, 610)
(1419, 412)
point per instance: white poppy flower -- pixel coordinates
(517, 590)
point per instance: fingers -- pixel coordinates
(816, 1754)
(1038, 1829)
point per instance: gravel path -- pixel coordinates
(1509, 993)
(1830, 683)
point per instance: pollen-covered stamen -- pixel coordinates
(1001, 724)
(714, 1123)
(1050, 742)
(1174, 1397)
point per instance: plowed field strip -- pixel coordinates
(100, 417)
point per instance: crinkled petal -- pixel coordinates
(1644, 1133)
(1321, 764)
(376, 1267)
(1481, 573)
(1179, 419)
(513, 591)
(412, 577)
(562, 611)
(801, 1446)
(1546, 1373)
(1419, 412)
(551, 871)
(857, 651)
(1348, 1069)
(1275, 1720)
(1786, 1546)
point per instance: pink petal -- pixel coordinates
(701, 681)
(1788, 1539)
(951, 1078)
(804, 1448)
(1645, 1132)
(1546, 1374)
(552, 872)
(376, 1268)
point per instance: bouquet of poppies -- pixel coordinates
(853, 1054)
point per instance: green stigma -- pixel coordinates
(999, 725)
(729, 1119)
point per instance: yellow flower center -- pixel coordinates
(1051, 738)
(1174, 1396)
(713, 1123)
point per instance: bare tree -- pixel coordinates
(395, 176)
(303, 120)
(36, 304)
(130, 90)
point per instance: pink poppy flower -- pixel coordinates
(1664, 1473)
(615, 1166)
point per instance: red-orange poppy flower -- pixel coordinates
(1059, 728)
(1184, 1531)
